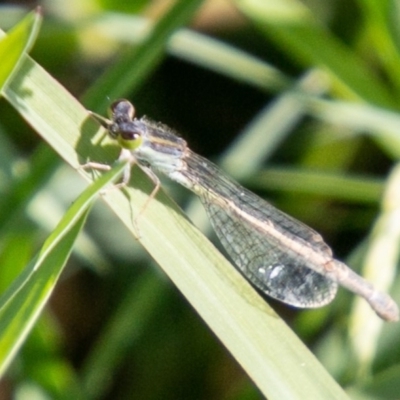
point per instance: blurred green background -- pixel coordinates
(297, 100)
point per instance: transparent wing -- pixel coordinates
(273, 269)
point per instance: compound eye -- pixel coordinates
(121, 111)
(128, 136)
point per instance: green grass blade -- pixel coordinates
(18, 41)
(21, 304)
(293, 27)
(381, 24)
(199, 49)
(138, 63)
(342, 186)
(382, 124)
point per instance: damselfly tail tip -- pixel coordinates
(385, 307)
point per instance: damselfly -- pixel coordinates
(281, 256)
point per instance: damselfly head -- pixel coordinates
(121, 124)
(123, 127)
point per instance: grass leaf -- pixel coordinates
(18, 41)
(21, 304)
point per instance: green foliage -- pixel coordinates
(329, 127)
(16, 44)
